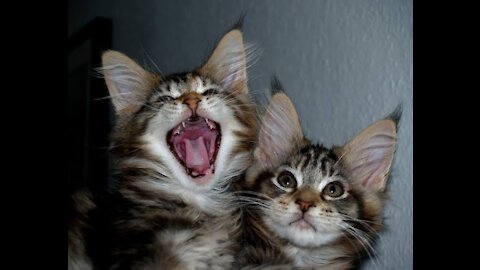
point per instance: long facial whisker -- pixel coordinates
(254, 193)
(247, 198)
(241, 200)
(364, 223)
(357, 250)
(159, 72)
(363, 241)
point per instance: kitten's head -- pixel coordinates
(312, 195)
(194, 129)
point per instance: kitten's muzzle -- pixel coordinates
(304, 205)
(192, 103)
(306, 198)
(191, 99)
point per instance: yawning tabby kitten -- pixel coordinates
(312, 207)
(179, 142)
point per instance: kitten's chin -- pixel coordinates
(303, 233)
(303, 225)
(203, 180)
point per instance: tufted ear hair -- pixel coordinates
(227, 63)
(280, 132)
(368, 157)
(128, 84)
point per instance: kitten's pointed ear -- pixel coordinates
(128, 83)
(368, 157)
(227, 64)
(280, 132)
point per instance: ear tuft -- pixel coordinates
(128, 83)
(227, 63)
(368, 157)
(280, 133)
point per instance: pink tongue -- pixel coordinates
(197, 155)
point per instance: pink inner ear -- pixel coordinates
(374, 165)
(232, 77)
(271, 149)
(370, 155)
(229, 79)
(280, 132)
(374, 179)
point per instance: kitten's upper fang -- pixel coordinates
(210, 124)
(177, 130)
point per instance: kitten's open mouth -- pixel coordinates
(195, 143)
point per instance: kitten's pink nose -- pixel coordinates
(192, 103)
(304, 206)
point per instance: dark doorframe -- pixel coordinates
(89, 113)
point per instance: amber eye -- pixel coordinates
(287, 180)
(334, 189)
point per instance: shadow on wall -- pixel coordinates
(88, 110)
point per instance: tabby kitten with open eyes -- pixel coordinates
(312, 207)
(179, 142)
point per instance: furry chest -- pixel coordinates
(199, 248)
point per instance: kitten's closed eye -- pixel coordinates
(210, 91)
(165, 98)
(333, 190)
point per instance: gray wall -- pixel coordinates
(345, 64)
